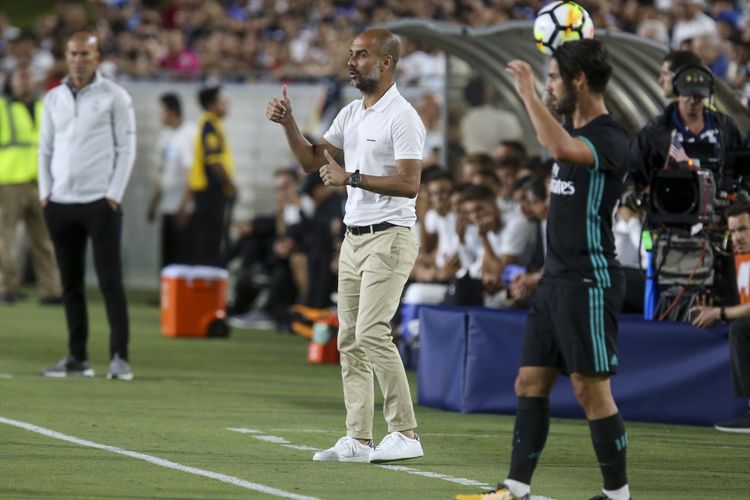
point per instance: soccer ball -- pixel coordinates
(561, 22)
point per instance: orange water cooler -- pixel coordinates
(193, 301)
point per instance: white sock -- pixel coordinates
(620, 494)
(518, 488)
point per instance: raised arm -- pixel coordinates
(309, 156)
(560, 144)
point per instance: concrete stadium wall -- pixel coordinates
(258, 146)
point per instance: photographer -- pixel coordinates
(691, 120)
(704, 316)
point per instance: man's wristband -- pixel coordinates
(722, 313)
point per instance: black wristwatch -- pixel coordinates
(722, 313)
(355, 180)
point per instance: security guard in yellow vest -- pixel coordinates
(20, 117)
(211, 182)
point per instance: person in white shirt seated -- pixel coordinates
(491, 244)
(630, 252)
(437, 262)
(532, 195)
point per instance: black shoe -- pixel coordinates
(740, 425)
(69, 367)
(12, 297)
(601, 497)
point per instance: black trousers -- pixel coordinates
(70, 227)
(175, 241)
(739, 350)
(210, 227)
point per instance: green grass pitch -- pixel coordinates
(187, 393)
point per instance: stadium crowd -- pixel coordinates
(235, 40)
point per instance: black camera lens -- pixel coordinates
(676, 196)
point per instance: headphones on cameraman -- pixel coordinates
(699, 67)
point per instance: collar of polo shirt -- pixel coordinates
(386, 99)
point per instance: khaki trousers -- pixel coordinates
(20, 203)
(373, 269)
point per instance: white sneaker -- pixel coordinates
(396, 446)
(346, 449)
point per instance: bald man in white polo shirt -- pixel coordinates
(380, 139)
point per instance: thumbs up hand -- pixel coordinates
(280, 110)
(332, 173)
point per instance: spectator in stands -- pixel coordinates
(266, 246)
(671, 63)
(7, 30)
(486, 177)
(86, 154)
(24, 50)
(211, 182)
(316, 241)
(510, 148)
(628, 229)
(506, 171)
(686, 121)
(423, 66)
(498, 243)
(472, 164)
(691, 22)
(710, 51)
(176, 145)
(179, 60)
(532, 196)
(484, 125)
(705, 316)
(20, 117)
(739, 56)
(437, 260)
(429, 109)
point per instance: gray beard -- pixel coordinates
(369, 82)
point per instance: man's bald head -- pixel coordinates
(387, 42)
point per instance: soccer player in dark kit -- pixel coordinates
(572, 323)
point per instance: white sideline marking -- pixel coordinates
(156, 460)
(271, 439)
(435, 475)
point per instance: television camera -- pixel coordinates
(685, 214)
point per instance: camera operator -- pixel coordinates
(738, 222)
(672, 61)
(691, 119)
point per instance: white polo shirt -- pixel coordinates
(372, 140)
